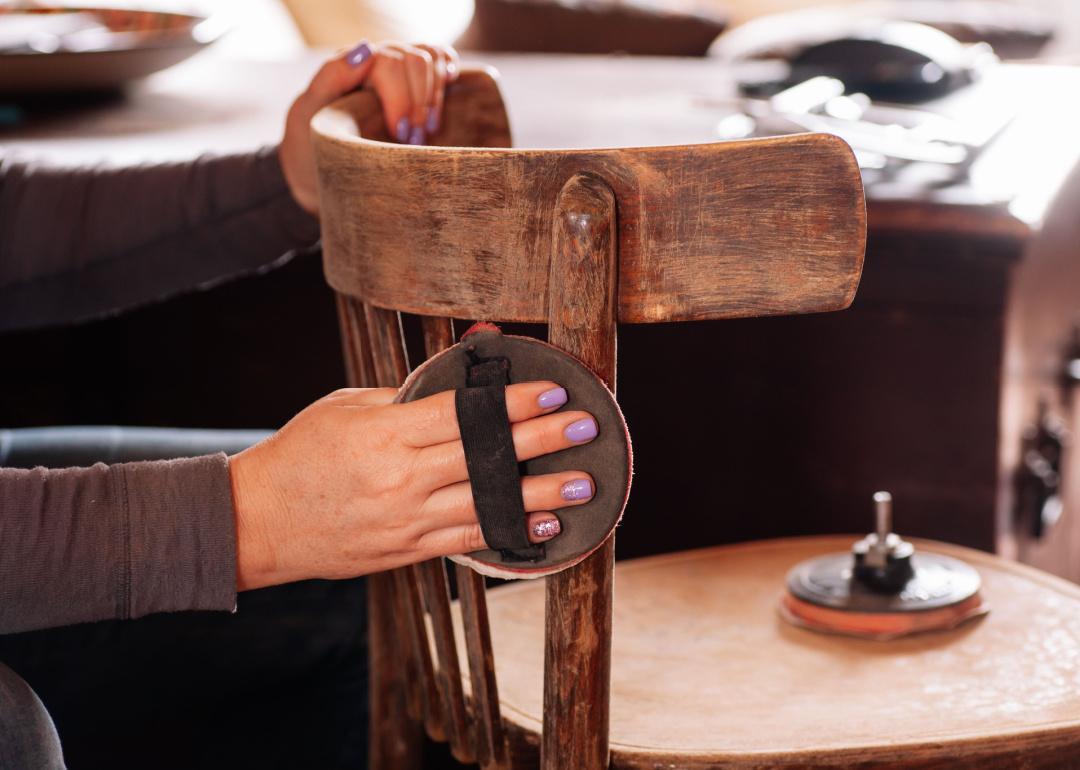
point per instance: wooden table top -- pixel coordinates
(218, 103)
(703, 667)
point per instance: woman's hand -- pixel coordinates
(357, 484)
(409, 80)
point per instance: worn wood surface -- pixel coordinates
(439, 335)
(394, 741)
(582, 292)
(705, 673)
(491, 746)
(720, 230)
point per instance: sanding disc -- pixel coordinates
(607, 458)
(822, 595)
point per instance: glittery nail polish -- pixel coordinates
(417, 136)
(576, 489)
(552, 398)
(546, 529)
(403, 129)
(358, 55)
(581, 430)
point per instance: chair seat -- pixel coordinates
(705, 673)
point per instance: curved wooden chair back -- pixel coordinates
(580, 240)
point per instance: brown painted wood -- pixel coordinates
(359, 368)
(706, 675)
(394, 741)
(439, 335)
(582, 295)
(491, 746)
(716, 230)
(391, 367)
(436, 593)
(488, 747)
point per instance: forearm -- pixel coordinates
(120, 541)
(78, 243)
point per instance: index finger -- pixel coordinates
(433, 420)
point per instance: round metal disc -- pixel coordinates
(940, 581)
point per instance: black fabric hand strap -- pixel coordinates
(491, 459)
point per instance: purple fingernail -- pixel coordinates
(417, 135)
(580, 431)
(552, 398)
(577, 489)
(546, 529)
(404, 128)
(358, 55)
(432, 124)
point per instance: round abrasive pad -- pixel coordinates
(607, 458)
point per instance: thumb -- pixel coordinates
(342, 74)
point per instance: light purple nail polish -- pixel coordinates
(404, 128)
(417, 135)
(552, 398)
(358, 55)
(576, 489)
(580, 431)
(432, 123)
(547, 528)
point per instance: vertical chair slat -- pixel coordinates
(491, 753)
(409, 580)
(359, 368)
(439, 335)
(391, 365)
(490, 748)
(393, 738)
(582, 292)
(448, 676)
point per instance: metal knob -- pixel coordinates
(882, 560)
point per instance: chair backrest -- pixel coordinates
(580, 240)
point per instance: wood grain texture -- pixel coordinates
(720, 230)
(394, 741)
(491, 746)
(394, 735)
(706, 675)
(582, 291)
(459, 729)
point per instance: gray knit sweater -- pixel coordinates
(121, 541)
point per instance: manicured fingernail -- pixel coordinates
(432, 123)
(358, 55)
(404, 128)
(546, 529)
(552, 398)
(417, 135)
(577, 489)
(581, 430)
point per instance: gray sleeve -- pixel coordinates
(78, 243)
(115, 542)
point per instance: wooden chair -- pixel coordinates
(580, 240)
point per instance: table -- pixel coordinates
(924, 387)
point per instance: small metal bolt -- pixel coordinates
(883, 514)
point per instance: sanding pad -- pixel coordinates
(607, 458)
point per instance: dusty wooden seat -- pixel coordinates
(706, 674)
(580, 240)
